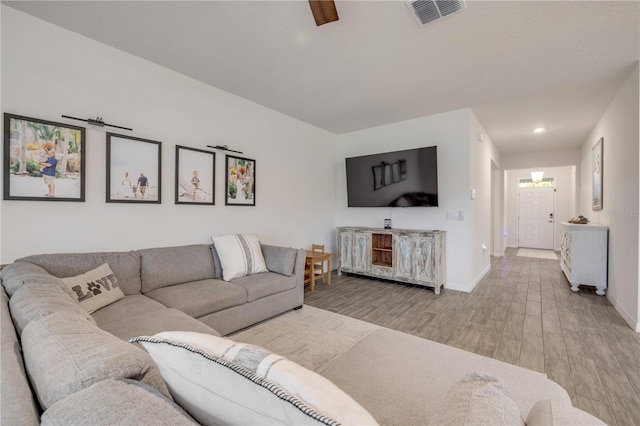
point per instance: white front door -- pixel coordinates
(536, 218)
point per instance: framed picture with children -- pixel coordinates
(43, 160)
(133, 170)
(195, 176)
(240, 181)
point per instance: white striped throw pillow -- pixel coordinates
(240, 255)
(220, 381)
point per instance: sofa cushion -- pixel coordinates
(154, 322)
(65, 353)
(94, 289)
(130, 306)
(550, 412)
(200, 298)
(33, 301)
(165, 266)
(16, 400)
(240, 255)
(125, 265)
(265, 284)
(279, 259)
(219, 381)
(16, 274)
(412, 393)
(479, 399)
(116, 402)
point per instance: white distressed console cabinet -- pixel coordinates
(405, 255)
(583, 255)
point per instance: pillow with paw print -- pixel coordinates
(94, 289)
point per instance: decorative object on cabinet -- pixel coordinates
(240, 181)
(579, 219)
(134, 170)
(404, 255)
(43, 160)
(596, 170)
(584, 255)
(195, 176)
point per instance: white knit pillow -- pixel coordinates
(240, 255)
(220, 381)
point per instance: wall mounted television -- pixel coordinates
(406, 178)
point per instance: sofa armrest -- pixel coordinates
(298, 269)
(287, 261)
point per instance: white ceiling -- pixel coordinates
(518, 64)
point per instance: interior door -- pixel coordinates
(536, 217)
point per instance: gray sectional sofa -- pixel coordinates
(170, 288)
(63, 366)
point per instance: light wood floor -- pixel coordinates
(524, 313)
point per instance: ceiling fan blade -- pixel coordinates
(324, 11)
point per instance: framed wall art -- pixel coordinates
(596, 170)
(240, 181)
(133, 170)
(43, 160)
(195, 176)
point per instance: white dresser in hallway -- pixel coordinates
(584, 255)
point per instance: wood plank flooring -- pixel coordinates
(524, 313)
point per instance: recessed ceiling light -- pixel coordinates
(538, 130)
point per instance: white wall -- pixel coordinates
(565, 207)
(528, 160)
(450, 132)
(48, 71)
(554, 158)
(620, 129)
(482, 154)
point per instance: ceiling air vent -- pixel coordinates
(427, 11)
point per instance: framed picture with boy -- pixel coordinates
(195, 176)
(43, 160)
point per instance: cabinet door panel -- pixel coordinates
(424, 259)
(346, 251)
(403, 252)
(362, 253)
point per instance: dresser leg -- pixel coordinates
(574, 287)
(600, 291)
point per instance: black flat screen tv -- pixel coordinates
(406, 178)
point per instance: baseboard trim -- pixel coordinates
(469, 288)
(456, 287)
(624, 314)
